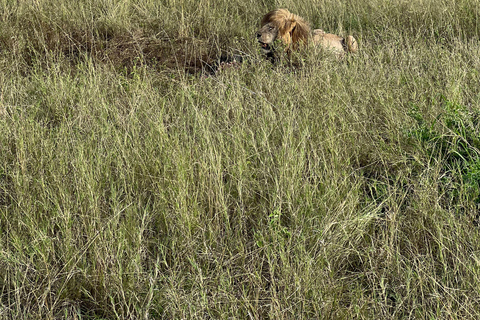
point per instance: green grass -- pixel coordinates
(133, 187)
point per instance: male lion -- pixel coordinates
(293, 30)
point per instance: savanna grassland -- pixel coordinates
(135, 186)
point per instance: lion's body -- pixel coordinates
(334, 42)
(292, 30)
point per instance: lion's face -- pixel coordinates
(266, 36)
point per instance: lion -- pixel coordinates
(293, 30)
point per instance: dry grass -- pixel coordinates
(132, 187)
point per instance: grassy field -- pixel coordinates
(132, 186)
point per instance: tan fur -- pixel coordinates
(292, 30)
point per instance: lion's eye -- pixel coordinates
(270, 28)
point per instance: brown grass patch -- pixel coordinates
(121, 48)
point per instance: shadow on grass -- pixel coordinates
(122, 49)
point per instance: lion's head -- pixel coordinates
(288, 27)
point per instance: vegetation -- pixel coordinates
(135, 186)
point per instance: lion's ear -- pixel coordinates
(290, 25)
(286, 30)
(300, 33)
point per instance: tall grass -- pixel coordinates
(134, 187)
